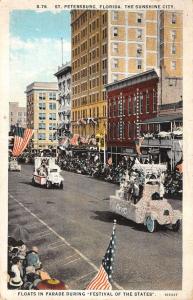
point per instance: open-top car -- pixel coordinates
(14, 166)
(141, 203)
(47, 173)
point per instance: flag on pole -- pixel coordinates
(21, 140)
(103, 279)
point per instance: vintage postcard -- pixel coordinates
(96, 149)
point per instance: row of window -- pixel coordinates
(51, 126)
(139, 17)
(79, 62)
(50, 96)
(83, 101)
(51, 116)
(90, 113)
(115, 16)
(43, 136)
(115, 48)
(93, 83)
(126, 130)
(92, 42)
(79, 88)
(20, 113)
(91, 99)
(92, 55)
(115, 63)
(51, 106)
(122, 107)
(19, 120)
(77, 38)
(118, 130)
(93, 69)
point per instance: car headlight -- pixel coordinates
(166, 212)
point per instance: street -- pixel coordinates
(72, 229)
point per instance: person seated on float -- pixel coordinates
(135, 192)
(43, 170)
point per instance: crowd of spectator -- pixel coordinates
(25, 269)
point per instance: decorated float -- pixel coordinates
(144, 203)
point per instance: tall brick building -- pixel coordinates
(130, 101)
(107, 46)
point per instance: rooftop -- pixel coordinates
(66, 68)
(36, 85)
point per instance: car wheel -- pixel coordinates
(61, 185)
(48, 184)
(176, 226)
(151, 224)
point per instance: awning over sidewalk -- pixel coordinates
(163, 119)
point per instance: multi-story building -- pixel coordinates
(17, 114)
(107, 46)
(64, 98)
(111, 45)
(130, 101)
(134, 117)
(42, 113)
(171, 56)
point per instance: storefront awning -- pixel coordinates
(163, 119)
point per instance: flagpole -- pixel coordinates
(104, 139)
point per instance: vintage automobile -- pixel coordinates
(148, 209)
(14, 166)
(47, 173)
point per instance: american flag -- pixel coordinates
(74, 140)
(103, 279)
(21, 140)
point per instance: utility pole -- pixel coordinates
(104, 139)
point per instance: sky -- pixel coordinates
(35, 48)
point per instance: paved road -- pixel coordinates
(72, 228)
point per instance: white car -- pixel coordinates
(47, 173)
(144, 210)
(14, 166)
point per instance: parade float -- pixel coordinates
(144, 203)
(151, 172)
(47, 173)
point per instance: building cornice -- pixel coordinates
(134, 79)
(64, 69)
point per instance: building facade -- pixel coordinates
(111, 45)
(130, 102)
(171, 56)
(42, 113)
(89, 71)
(64, 99)
(17, 114)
